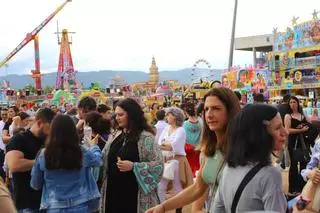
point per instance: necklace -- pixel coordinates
(125, 140)
(124, 143)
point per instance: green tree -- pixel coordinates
(30, 88)
(48, 89)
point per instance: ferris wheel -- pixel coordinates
(199, 74)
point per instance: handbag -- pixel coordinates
(301, 154)
(168, 171)
(310, 135)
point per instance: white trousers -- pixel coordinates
(163, 185)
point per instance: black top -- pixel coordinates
(7, 125)
(29, 145)
(122, 188)
(292, 137)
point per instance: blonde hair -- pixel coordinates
(315, 111)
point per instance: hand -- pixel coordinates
(156, 209)
(7, 181)
(314, 176)
(300, 126)
(95, 140)
(80, 124)
(295, 209)
(124, 165)
(16, 120)
(305, 128)
(166, 147)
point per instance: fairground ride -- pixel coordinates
(198, 75)
(66, 78)
(36, 74)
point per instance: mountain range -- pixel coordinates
(104, 77)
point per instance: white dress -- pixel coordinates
(177, 141)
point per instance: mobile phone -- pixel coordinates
(301, 202)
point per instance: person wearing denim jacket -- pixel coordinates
(68, 190)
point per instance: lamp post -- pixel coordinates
(232, 34)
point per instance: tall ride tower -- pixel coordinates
(66, 72)
(33, 36)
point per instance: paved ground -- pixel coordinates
(187, 209)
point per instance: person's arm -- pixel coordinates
(162, 135)
(80, 124)
(94, 156)
(313, 163)
(5, 136)
(151, 165)
(36, 175)
(218, 205)
(287, 125)
(166, 146)
(6, 202)
(198, 205)
(272, 193)
(187, 196)
(17, 162)
(7, 205)
(179, 140)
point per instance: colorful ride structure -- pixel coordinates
(66, 74)
(295, 60)
(198, 75)
(248, 81)
(36, 74)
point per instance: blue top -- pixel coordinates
(315, 159)
(193, 131)
(67, 188)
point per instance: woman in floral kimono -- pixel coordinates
(133, 163)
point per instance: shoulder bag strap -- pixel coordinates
(243, 184)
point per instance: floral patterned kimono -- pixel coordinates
(148, 172)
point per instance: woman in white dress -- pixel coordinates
(172, 141)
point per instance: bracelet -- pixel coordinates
(163, 208)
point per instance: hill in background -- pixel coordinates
(104, 77)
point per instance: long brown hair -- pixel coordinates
(209, 143)
(63, 146)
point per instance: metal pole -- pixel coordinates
(254, 57)
(233, 33)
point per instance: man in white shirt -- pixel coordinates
(161, 123)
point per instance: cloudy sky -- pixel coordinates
(125, 34)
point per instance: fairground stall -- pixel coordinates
(248, 81)
(295, 60)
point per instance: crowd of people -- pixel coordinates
(217, 155)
